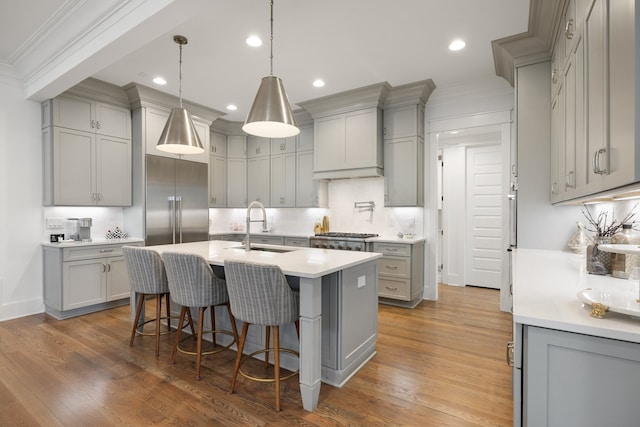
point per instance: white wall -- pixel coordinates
(20, 203)
(540, 224)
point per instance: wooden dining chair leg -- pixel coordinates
(178, 333)
(236, 366)
(297, 323)
(199, 342)
(137, 319)
(276, 363)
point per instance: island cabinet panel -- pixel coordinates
(575, 379)
(84, 278)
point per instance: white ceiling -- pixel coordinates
(347, 43)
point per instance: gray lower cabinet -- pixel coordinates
(400, 273)
(268, 240)
(571, 379)
(84, 279)
(302, 242)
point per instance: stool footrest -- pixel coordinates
(150, 334)
(214, 351)
(268, 379)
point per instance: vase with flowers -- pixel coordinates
(598, 261)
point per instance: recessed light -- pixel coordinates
(159, 81)
(254, 41)
(318, 83)
(457, 45)
(231, 107)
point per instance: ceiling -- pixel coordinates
(50, 45)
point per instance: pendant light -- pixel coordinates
(179, 135)
(270, 115)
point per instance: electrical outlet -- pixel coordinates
(53, 223)
(362, 281)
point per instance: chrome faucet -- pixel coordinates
(254, 204)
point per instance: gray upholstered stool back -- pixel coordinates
(259, 294)
(146, 270)
(192, 282)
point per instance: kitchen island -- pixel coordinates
(338, 305)
(571, 368)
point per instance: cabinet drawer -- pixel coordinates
(392, 249)
(270, 240)
(398, 267)
(296, 241)
(85, 252)
(394, 288)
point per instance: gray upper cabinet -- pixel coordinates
(404, 144)
(87, 148)
(594, 89)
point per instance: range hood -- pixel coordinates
(348, 138)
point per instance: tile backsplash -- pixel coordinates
(343, 215)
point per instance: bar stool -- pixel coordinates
(149, 279)
(260, 295)
(193, 284)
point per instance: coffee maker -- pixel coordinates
(79, 229)
(84, 229)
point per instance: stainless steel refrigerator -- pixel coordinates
(176, 205)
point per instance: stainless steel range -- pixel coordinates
(338, 240)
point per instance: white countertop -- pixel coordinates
(545, 287)
(94, 242)
(301, 262)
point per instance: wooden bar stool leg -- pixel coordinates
(266, 346)
(199, 343)
(236, 366)
(178, 333)
(276, 363)
(168, 304)
(213, 326)
(193, 331)
(232, 319)
(137, 319)
(158, 317)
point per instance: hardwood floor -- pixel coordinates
(440, 364)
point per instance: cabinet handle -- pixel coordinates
(568, 29)
(93, 196)
(108, 268)
(553, 189)
(392, 249)
(570, 180)
(554, 76)
(510, 348)
(93, 124)
(99, 196)
(596, 162)
(391, 267)
(390, 288)
(98, 124)
(102, 251)
(104, 268)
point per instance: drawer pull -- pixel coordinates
(391, 267)
(510, 353)
(105, 250)
(392, 249)
(391, 288)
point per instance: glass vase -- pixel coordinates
(598, 261)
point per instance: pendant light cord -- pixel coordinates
(180, 79)
(271, 42)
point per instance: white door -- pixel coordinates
(484, 217)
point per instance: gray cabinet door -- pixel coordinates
(579, 380)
